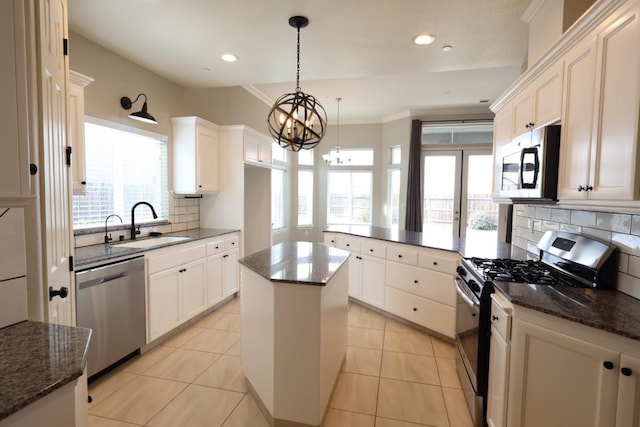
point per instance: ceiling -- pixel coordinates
(359, 50)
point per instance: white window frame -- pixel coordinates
(283, 206)
(352, 170)
(162, 211)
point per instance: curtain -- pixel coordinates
(413, 219)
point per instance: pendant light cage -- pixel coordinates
(297, 120)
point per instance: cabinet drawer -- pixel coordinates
(429, 284)
(443, 262)
(232, 242)
(330, 239)
(373, 247)
(348, 243)
(501, 316)
(172, 258)
(402, 254)
(215, 247)
(432, 315)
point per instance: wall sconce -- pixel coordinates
(142, 115)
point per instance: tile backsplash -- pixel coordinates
(530, 222)
(184, 214)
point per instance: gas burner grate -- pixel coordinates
(523, 271)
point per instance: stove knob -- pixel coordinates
(474, 285)
(461, 271)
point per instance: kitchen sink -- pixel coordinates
(151, 242)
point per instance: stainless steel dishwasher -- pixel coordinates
(111, 301)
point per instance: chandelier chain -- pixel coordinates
(298, 64)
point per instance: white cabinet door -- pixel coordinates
(539, 104)
(195, 156)
(614, 156)
(214, 279)
(206, 160)
(579, 87)
(330, 239)
(628, 414)
(498, 377)
(163, 305)
(373, 277)
(192, 289)
(230, 272)
(355, 276)
(501, 136)
(14, 108)
(560, 380)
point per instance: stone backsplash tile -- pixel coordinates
(623, 230)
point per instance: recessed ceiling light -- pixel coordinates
(423, 39)
(447, 48)
(229, 57)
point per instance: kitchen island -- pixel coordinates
(294, 307)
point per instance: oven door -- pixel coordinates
(468, 330)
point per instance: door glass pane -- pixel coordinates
(482, 213)
(439, 191)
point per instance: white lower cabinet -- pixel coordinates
(230, 272)
(193, 289)
(412, 282)
(500, 352)
(186, 279)
(566, 374)
(164, 312)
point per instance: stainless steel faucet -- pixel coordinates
(107, 237)
(133, 222)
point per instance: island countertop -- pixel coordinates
(305, 263)
(36, 359)
(465, 247)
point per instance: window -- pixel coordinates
(305, 157)
(457, 133)
(278, 154)
(395, 155)
(123, 168)
(349, 197)
(305, 197)
(393, 198)
(356, 157)
(277, 198)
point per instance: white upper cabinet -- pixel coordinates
(501, 136)
(615, 127)
(257, 149)
(599, 150)
(539, 104)
(76, 130)
(195, 156)
(14, 110)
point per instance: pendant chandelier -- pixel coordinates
(335, 157)
(297, 120)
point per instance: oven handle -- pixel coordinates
(470, 300)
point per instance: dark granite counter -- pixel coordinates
(465, 247)
(304, 263)
(93, 254)
(37, 359)
(607, 310)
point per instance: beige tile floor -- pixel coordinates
(393, 376)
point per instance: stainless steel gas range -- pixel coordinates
(565, 260)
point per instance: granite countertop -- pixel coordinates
(465, 247)
(36, 359)
(607, 310)
(86, 255)
(303, 263)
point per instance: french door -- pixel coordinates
(457, 194)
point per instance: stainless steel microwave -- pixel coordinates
(530, 166)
